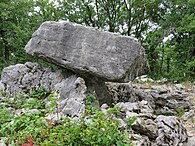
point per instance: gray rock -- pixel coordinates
(143, 78)
(122, 92)
(174, 104)
(191, 141)
(166, 111)
(130, 114)
(176, 96)
(146, 127)
(179, 86)
(88, 51)
(145, 107)
(139, 140)
(128, 106)
(21, 78)
(72, 96)
(22, 111)
(137, 107)
(55, 117)
(188, 114)
(171, 101)
(2, 87)
(170, 131)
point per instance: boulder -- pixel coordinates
(22, 78)
(88, 51)
(95, 55)
(72, 94)
(146, 127)
(170, 131)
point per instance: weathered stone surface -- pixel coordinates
(191, 141)
(151, 130)
(21, 78)
(121, 92)
(88, 51)
(72, 94)
(146, 127)
(140, 140)
(188, 114)
(140, 101)
(146, 101)
(170, 131)
(1, 86)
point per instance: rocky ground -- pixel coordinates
(184, 89)
(165, 112)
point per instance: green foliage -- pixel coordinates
(5, 115)
(2, 93)
(39, 93)
(91, 103)
(173, 58)
(180, 111)
(93, 128)
(115, 110)
(33, 103)
(130, 121)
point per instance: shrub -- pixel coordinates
(32, 129)
(39, 93)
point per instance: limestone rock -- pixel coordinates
(1, 86)
(88, 51)
(191, 141)
(188, 114)
(170, 131)
(121, 92)
(72, 94)
(140, 140)
(21, 78)
(146, 127)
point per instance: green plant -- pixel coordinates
(94, 128)
(39, 93)
(33, 103)
(2, 93)
(130, 121)
(114, 110)
(180, 111)
(5, 116)
(17, 101)
(91, 103)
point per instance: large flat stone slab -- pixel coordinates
(88, 51)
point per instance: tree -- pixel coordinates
(14, 28)
(151, 22)
(173, 58)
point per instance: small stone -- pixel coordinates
(104, 106)
(55, 117)
(140, 140)
(128, 106)
(2, 87)
(179, 86)
(131, 114)
(188, 114)
(147, 127)
(191, 141)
